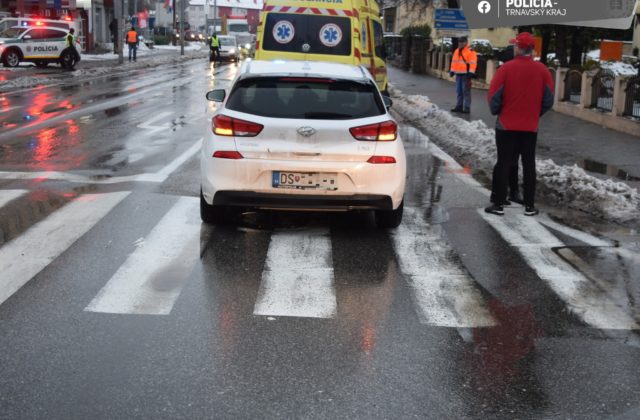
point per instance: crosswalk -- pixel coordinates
(298, 278)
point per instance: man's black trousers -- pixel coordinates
(511, 145)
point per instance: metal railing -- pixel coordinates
(602, 90)
(632, 98)
(573, 86)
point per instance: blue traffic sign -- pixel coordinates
(451, 19)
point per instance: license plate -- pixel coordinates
(303, 181)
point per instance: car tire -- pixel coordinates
(214, 215)
(41, 64)
(390, 218)
(11, 58)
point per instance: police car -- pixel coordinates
(40, 45)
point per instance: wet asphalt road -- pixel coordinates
(116, 302)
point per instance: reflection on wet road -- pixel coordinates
(116, 302)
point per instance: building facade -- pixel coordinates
(400, 14)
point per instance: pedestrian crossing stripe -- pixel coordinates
(298, 278)
(28, 254)
(151, 279)
(443, 290)
(301, 285)
(583, 298)
(7, 196)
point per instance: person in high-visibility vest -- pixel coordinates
(70, 48)
(463, 65)
(132, 41)
(215, 48)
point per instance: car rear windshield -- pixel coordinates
(227, 41)
(310, 34)
(306, 98)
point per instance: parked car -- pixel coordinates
(302, 135)
(40, 45)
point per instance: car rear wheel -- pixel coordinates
(390, 218)
(215, 215)
(11, 58)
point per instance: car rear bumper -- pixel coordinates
(302, 202)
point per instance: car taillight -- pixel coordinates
(227, 154)
(227, 126)
(382, 159)
(386, 131)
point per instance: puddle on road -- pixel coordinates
(604, 169)
(423, 189)
(615, 272)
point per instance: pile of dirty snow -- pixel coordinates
(473, 143)
(619, 68)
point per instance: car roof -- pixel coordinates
(40, 27)
(304, 68)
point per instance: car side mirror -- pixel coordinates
(216, 95)
(26, 37)
(387, 101)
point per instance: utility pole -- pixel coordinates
(118, 5)
(173, 10)
(215, 16)
(182, 2)
(206, 13)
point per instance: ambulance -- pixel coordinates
(343, 31)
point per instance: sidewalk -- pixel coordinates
(564, 139)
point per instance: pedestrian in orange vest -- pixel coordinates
(463, 65)
(132, 41)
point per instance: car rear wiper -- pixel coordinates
(326, 115)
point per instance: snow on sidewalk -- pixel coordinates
(473, 143)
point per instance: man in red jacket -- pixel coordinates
(520, 92)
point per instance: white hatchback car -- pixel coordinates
(299, 135)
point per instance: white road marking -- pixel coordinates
(151, 279)
(583, 297)
(152, 127)
(156, 177)
(298, 276)
(177, 162)
(574, 233)
(7, 196)
(28, 254)
(443, 291)
(89, 109)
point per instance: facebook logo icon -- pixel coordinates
(484, 7)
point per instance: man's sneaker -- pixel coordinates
(495, 209)
(530, 211)
(456, 109)
(516, 199)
